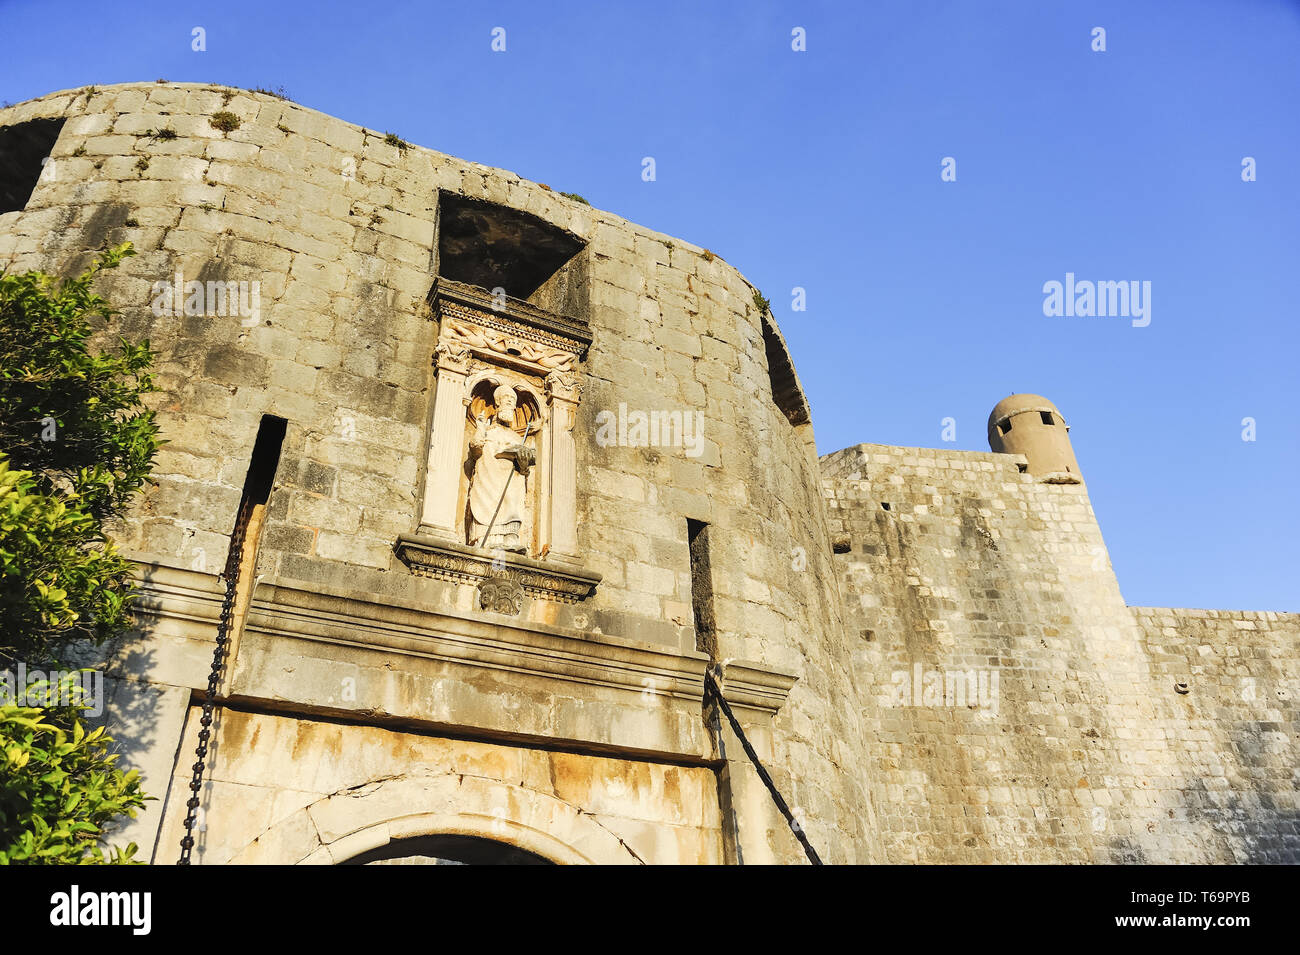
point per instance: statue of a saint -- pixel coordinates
(499, 482)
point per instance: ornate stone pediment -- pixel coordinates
(500, 318)
(505, 346)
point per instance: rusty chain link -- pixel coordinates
(234, 559)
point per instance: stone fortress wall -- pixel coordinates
(378, 696)
(1116, 734)
(341, 229)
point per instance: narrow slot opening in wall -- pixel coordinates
(265, 458)
(257, 491)
(23, 147)
(706, 641)
(1047, 417)
(1004, 426)
(787, 395)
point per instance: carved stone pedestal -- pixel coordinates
(459, 563)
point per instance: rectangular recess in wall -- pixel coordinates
(706, 640)
(496, 246)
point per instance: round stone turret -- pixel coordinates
(1031, 425)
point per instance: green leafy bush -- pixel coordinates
(76, 442)
(59, 786)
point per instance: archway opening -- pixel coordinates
(447, 850)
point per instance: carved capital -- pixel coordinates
(564, 385)
(452, 356)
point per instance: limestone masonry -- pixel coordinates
(514, 473)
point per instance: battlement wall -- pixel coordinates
(1072, 742)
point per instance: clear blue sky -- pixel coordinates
(821, 169)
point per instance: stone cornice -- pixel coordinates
(189, 596)
(462, 564)
(289, 609)
(512, 316)
(750, 686)
(560, 685)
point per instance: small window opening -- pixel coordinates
(24, 149)
(1004, 426)
(884, 505)
(490, 245)
(1047, 417)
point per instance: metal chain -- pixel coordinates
(233, 561)
(712, 689)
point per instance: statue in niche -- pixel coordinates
(498, 490)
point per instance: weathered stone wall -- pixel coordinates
(339, 228)
(1235, 731)
(1086, 752)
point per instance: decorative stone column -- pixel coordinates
(442, 480)
(564, 392)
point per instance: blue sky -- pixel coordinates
(821, 169)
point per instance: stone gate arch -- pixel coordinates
(345, 824)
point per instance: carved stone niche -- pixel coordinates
(500, 486)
